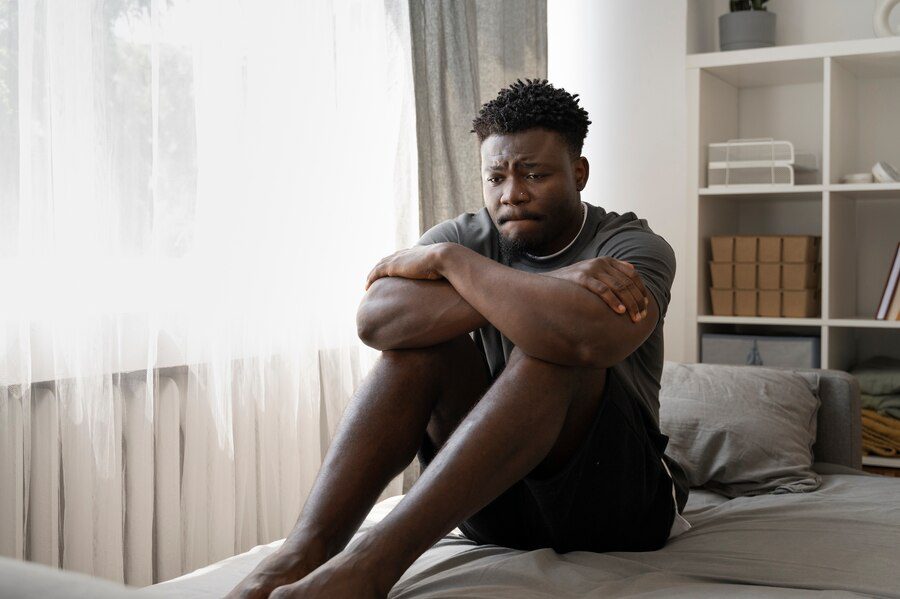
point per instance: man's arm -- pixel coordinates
(548, 318)
(580, 329)
(399, 313)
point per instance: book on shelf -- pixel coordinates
(889, 308)
(893, 312)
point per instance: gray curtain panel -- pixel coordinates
(464, 52)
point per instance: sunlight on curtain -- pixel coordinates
(191, 195)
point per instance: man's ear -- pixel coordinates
(581, 169)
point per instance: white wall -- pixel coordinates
(626, 62)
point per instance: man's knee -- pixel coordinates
(575, 379)
(433, 358)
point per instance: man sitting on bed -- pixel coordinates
(541, 429)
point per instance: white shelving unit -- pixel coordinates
(840, 101)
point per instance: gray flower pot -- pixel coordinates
(746, 29)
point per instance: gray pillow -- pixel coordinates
(740, 430)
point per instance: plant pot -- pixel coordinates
(746, 29)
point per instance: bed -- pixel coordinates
(841, 540)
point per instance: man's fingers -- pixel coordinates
(375, 274)
(625, 290)
(631, 272)
(605, 293)
(628, 293)
(616, 293)
(624, 285)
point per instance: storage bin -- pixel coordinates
(722, 248)
(745, 302)
(745, 275)
(800, 304)
(737, 151)
(762, 161)
(770, 249)
(722, 302)
(745, 248)
(769, 302)
(769, 174)
(799, 276)
(800, 248)
(803, 275)
(784, 351)
(722, 274)
(770, 276)
(788, 303)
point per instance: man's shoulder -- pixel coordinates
(474, 230)
(616, 232)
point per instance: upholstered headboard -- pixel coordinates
(839, 427)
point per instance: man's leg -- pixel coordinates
(531, 420)
(379, 434)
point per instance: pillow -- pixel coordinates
(740, 430)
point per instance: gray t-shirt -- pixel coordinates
(621, 236)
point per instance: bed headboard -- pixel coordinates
(839, 427)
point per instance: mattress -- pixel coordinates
(842, 540)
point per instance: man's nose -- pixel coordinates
(515, 193)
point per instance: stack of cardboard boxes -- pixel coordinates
(765, 276)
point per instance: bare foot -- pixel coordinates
(347, 575)
(278, 569)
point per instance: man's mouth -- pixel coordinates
(519, 217)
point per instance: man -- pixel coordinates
(541, 429)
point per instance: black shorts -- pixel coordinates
(613, 495)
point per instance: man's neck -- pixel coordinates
(568, 245)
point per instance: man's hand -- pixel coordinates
(614, 281)
(417, 262)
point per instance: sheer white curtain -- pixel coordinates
(191, 195)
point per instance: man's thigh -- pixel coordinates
(611, 494)
(464, 378)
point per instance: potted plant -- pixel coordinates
(748, 25)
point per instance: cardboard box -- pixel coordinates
(800, 276)
(770, 249)
(745, 276)
(745, 248)
(745, 302)
(770, 276)
(722, 274)
(770, 303)
(722, 301)
(800, 304)
(799, 248)
(722, 248)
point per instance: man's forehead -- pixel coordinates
(526, 148)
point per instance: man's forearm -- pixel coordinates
(399, 313)
(547, 318)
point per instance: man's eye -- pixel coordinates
(536, 175)
(493, 179)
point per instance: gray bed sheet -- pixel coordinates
(842, 540)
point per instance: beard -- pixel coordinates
(534, 244)
(516, 248)
(512, 249)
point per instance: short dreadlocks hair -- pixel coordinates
(534, 103)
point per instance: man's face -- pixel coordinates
(532, 188)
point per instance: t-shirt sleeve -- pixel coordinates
(441, 232)
(652, 257)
